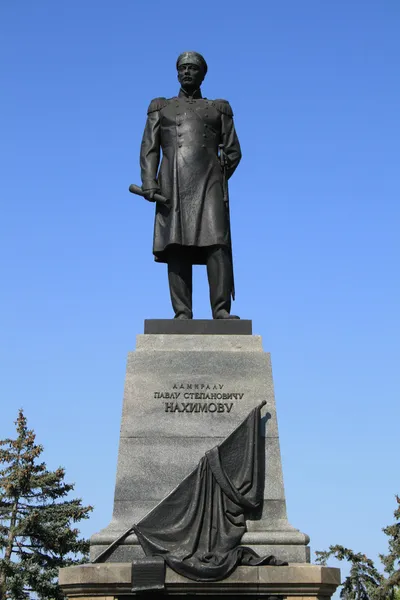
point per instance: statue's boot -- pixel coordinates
(223, 314)
(219, 271)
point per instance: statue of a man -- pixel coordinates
(194, 228)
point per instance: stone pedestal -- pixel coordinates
(114, 580)
(188, 385)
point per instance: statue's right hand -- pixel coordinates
(149, 194)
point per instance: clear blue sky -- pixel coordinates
(315, 89)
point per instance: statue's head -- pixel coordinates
(192, 69)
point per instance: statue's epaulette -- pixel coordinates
(157, 104)
(224, 107)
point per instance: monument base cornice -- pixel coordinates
(114, 580)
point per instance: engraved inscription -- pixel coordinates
(196, 407)
(199, 395)
(214, 393)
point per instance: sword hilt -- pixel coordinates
(222, 156)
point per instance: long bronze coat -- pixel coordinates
(189, 131)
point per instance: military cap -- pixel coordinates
(193, 58)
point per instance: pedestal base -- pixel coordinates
(114, 580)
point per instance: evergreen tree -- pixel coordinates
(391, 560)
(36, 520)
(364, 581)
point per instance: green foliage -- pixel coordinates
(37, 536)
(391, 561)
(364, 581)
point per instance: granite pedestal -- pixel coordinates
(188, 385)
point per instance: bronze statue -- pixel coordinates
(200, 152)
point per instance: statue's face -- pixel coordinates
(190, 76)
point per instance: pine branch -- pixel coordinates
(364, 581)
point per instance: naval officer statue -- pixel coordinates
(194, 134)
